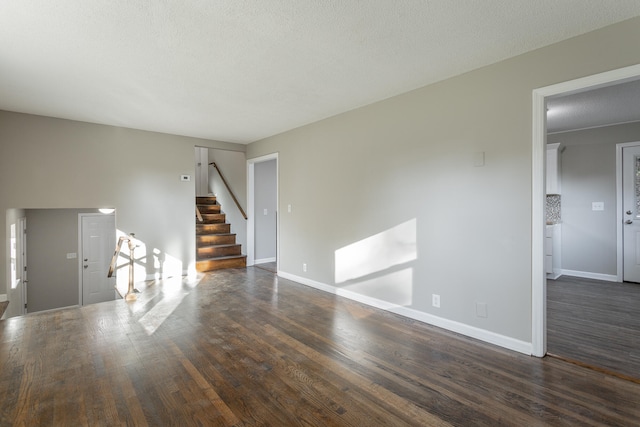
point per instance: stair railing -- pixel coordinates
(131, 291)
(229, 189)
(198, 214)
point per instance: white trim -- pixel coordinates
(538, 280)
(3, 297)
(538, 229)
(264, 260)
(461, 328)
(590, 275)
(251, 250)
(620, 209)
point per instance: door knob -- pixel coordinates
(628, 213)
(86, 266)
(628, 222)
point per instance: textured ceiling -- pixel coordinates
(240, 71)
(604, 106)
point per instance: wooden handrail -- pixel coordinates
(131, 292)
(229, 188)
(198, 214)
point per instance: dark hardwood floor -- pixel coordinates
(243, 347)
(596, 323)
(269, 266)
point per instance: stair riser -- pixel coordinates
(207, 220)
(202, 229)
(219, 251)
(208, 200)
(213, 229)
(212, 239)
(205, 209)
(213, 264)
(214, 218)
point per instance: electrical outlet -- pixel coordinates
(304, 267)
(435, 300)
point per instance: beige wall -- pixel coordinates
(53, 163)
(233, 166)
(411, 158)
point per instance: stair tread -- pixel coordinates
(222, 245)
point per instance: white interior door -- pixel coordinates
(202, 171)
(98, 243)
(631, 213)
(17, 294)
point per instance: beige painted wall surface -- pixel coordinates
(410, 160)
(233, 166)
(53, 163)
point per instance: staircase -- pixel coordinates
(216, 246)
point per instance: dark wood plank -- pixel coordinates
(596, 323)
(243, 347)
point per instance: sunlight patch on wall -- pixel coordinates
(122, 265)
(379, 252)
(159, 265)
(395, 288)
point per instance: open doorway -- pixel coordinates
(262, 242)
(539, 283)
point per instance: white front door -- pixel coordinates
(631, 213)
(98, 243)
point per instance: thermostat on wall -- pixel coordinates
(185, 177)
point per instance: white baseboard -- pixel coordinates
(461, 328)
(589, 275)
(3, 297)
(264, 260)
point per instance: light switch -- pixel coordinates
(72, 255)
(478, 159)
(289, 208)
(185, 178)
(597, 206)
(266, 212)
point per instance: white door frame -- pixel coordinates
(620, 208)
(79, 253)
(251, 237)
(538, 202)
(24, 262)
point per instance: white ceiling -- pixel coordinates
(240, 71)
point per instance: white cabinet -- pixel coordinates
(553, 251)
(553, 168)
